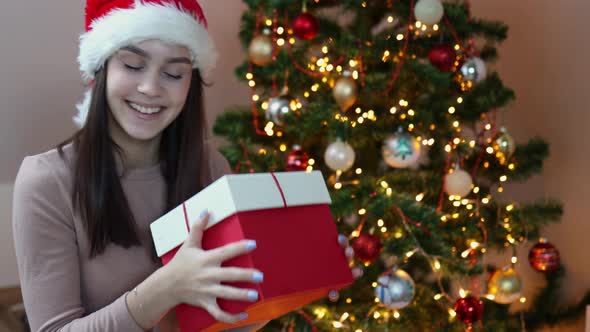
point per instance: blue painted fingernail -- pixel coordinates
(251, 245)
(252, 295)
(243, 316)
(203, 214)
(258, 277)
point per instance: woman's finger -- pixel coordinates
(195, 235)
(228, 251)
(223, 316)
(234, 274)
(232, 293)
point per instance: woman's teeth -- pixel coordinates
(145, 110)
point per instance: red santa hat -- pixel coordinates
(113, 24)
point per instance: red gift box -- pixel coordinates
(288, 215)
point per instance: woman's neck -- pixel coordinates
(137, 153)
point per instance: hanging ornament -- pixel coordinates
(333, 295)
(367, 247)
(473, 70)
(443, 57)
(352, 220)
(297, 160)
(357, 272)
(469, 309)
(504, 145)
(401, 150)
(544, 256)
(428, 12)
(345, 92)
(395, 289)
(306, 26)
(260, 51)
(505, 285)
(339, 156)
(279, 107)
(458, 183)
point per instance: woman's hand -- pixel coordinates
(197, 274)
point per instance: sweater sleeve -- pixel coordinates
(48, 257)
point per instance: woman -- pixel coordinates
(82, 211)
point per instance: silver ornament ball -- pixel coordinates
(474, 69)
(279, 107)
(395, 289)
(429, 12)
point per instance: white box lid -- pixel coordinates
(238, 193)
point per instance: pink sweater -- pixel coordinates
(63, 289)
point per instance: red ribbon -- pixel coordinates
(188, 226)
(276, 182)
(280, 189)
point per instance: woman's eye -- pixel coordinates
(175, 77)
(132, 67)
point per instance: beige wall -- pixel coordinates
(544, 60)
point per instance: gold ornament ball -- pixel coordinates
(505, 285)
(260, 50)
(504, 145)
(345, 92)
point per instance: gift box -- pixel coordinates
(288, 215)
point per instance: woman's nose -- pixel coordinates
(150, 85)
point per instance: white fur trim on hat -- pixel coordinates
(83, 108)
(125, 26)
(122, 27)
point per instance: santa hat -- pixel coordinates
(113, 24)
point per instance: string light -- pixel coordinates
(452, 313)
(462, 293)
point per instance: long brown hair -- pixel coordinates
(97, 193)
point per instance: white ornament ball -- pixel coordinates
(401, 150)
(428, 12)
(474, 69)
(395, 289)
(339, 156)
(458, 183)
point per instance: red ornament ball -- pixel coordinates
(443, 57)
(367, 247)
(297, 160)
(469, 309)
(306, 26)
(544, 257)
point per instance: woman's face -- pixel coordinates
(147, 86)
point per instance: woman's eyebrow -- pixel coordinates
(144, 54)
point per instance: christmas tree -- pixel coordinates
(396, 104)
